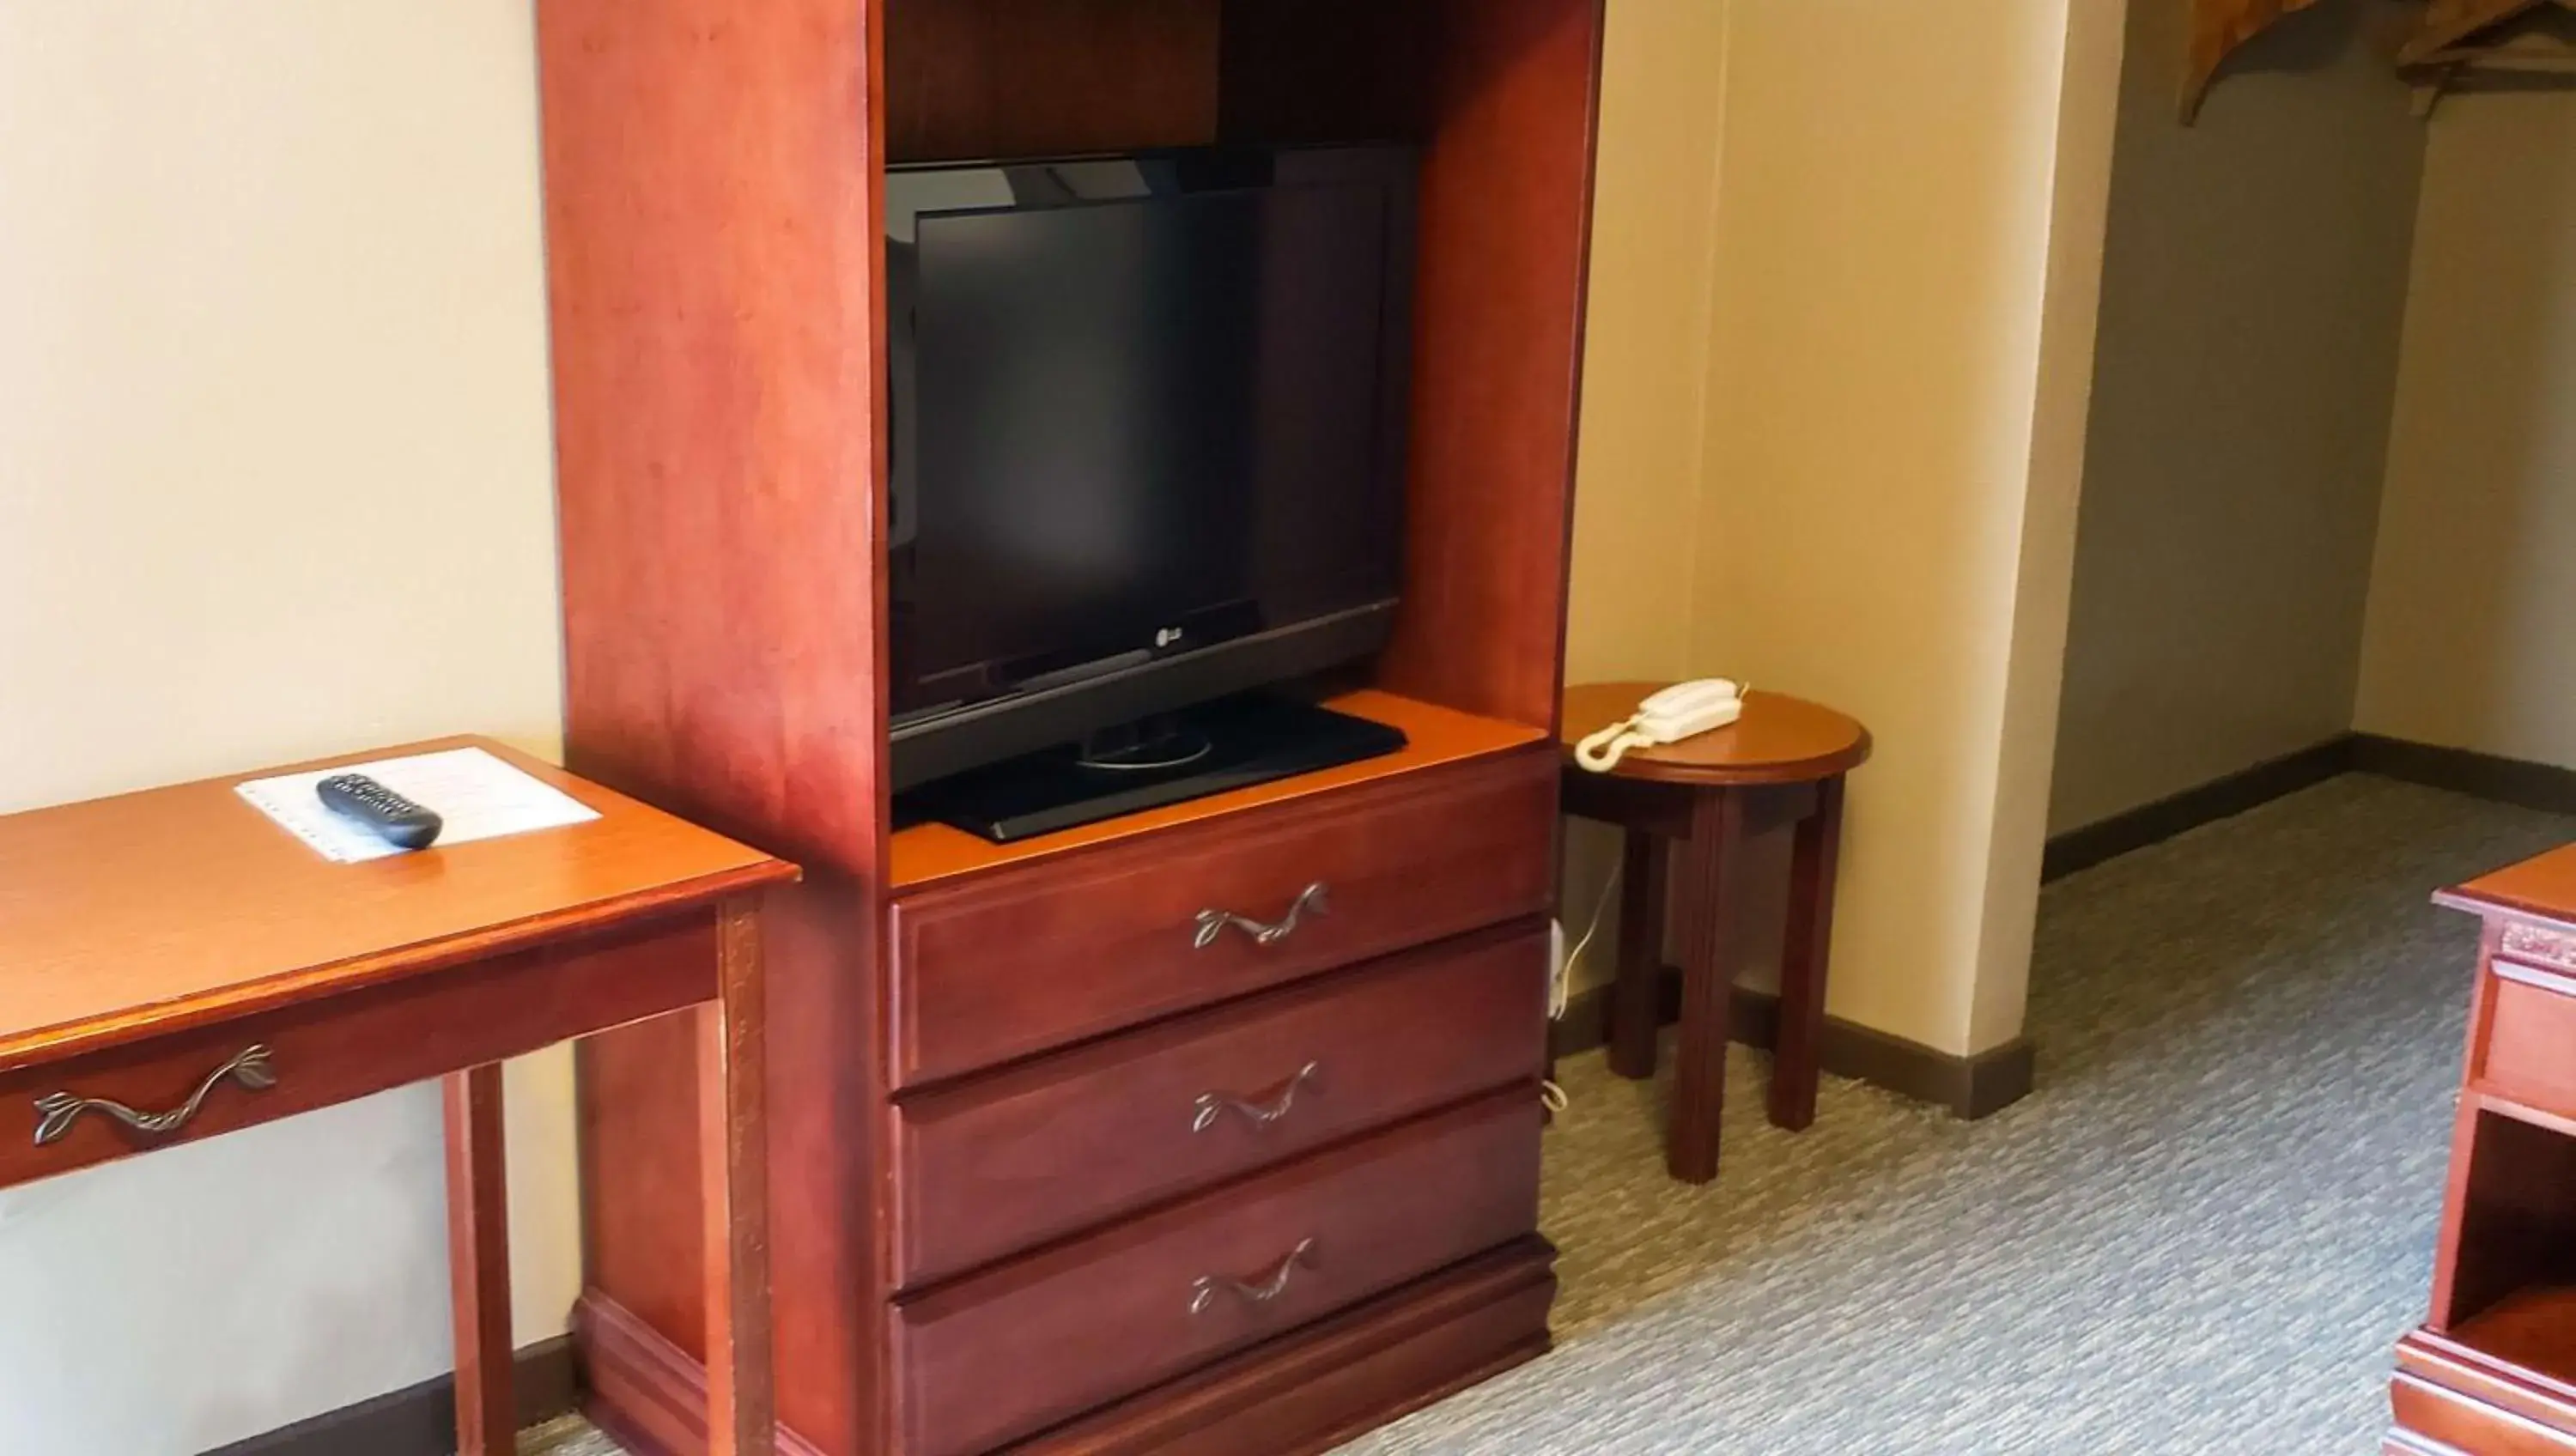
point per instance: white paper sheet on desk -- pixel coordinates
(475, 795)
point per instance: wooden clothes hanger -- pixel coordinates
(2447, 23)
(2443, 46)
(2459, 36)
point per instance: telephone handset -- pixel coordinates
(1681, 711)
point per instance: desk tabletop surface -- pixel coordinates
(2542, 887)
(146, 912)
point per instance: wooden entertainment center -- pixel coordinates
(1210, 1129)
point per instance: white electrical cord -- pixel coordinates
(1560, 987)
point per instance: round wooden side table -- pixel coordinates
(1781, 763)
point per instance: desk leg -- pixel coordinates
(1711, 909)
(1812, 856)
(733, 1162)
(478, 1263)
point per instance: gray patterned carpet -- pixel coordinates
(2203, 1233)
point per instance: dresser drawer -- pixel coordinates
(1019, 1348)
(184, 1085)
(997, 1164)
(2527, 1047)
(1044, 954)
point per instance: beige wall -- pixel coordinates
(270, 277)
(1881, 513)
(1876, 521)
(2470, 641)
(1645, 378)
(2253, 291)
(1646, 341)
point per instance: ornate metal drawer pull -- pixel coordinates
(1213, 1105)
(1212, 923)
(1203, 1293)
(58, 1111)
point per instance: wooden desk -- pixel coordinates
(174, 966)
(2492, 1370)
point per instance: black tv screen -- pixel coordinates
(1148, 434)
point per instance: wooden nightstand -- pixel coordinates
(1781, 763)
(2492, 1370)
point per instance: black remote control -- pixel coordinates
(379, 810)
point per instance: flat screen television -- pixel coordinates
(1147, 437)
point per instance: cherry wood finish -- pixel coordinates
(478, 1251)
(1005, 1353)
(647, 1393)
(2502, 1388)
(1338, 1377)
(1435, 736)
(1778, 740)
(1502, 95)
(147, 913)
(1325, 71)
(1305, 1392)
(2537, 896)
(714, 265)
(2529, 1050)
(1635, 1021)
(1035, 78)
(1505, 235)
(310, 983)
(2492, 1371)
(713, 206)
(1428, 856)
(734, 1190)
(715, 279)
(2510, 1218)
(366, 1041)
(1712, 914)
(1001, 1163)
(1782, 763)
(1815, 855)
(2534, 1329)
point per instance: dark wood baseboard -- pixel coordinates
(1970, 1086)
(2460, 770)
(2220, 798)
(420, 1420)
(1976, 1086)
(2467, 771)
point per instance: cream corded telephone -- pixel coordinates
(1681, 711)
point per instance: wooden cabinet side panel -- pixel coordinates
(714, 267)
(1505, 236)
